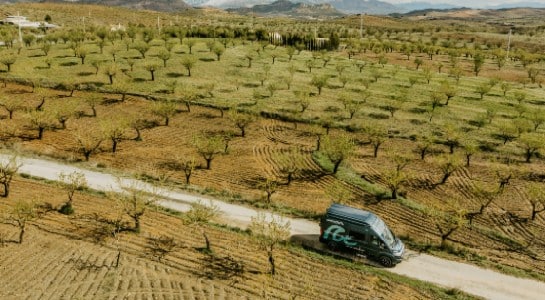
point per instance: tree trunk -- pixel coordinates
(21, 234)
(394, 193)
(87, 154)
(206, 240)
(136, 223)
(118, 256)
(375, 150)
(445, 178)
(40, 133)
(6, 189)
(114, 145)
(271, 262)
(336, 165)
(138, 135)
(208, 163)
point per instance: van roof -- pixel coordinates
(352, 214)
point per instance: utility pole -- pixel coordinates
(508, 45)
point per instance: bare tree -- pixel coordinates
(8, 168)
(70, 183)
(88, 140)
(447, 222)
(269, 232)
(289, 162)
(188, 166)
(135, 200)
(269, 186)
(448, 165)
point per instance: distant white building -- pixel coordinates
(23, 22)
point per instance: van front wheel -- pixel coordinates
(386, 261)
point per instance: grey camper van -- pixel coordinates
(360, 231)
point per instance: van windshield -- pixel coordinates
(380, 228)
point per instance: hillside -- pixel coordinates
(156, 5)
(287, 8)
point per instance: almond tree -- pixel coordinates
(115, 131)
(269, 186)
(448, 164)
(164, 55)
(135, 200)
(10, 105)
(448, 90)
(377, 135)
(208, 147)
(269, 232)
(531, 142)
(92, 101)
(447, 222)
(218, 50)
(71, 182)
(337, 149)
(319, 82)
(288, 162)
(303, 99)
(8, 168)
(88, 140)
(484, 196)
(199, 215)
(536, 196)
(41, 121)
(188, 166)
(19, 215)
(189, 63)
(64, 111)
(8, 61)
(190, 43)
(241, 120)
(164, 109)
(82, 52)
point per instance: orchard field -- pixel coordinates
(431, 124)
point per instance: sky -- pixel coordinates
(470, 3)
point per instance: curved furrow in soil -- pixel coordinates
(273, 131)
(397, 216)
(263, 155)
(463, 185)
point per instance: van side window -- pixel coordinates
(357, 235)
(376, 242)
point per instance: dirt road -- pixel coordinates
(471, 279)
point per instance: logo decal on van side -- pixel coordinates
(336, 233)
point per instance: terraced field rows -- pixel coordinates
(59, 259)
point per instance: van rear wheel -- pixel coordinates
(386, 261)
